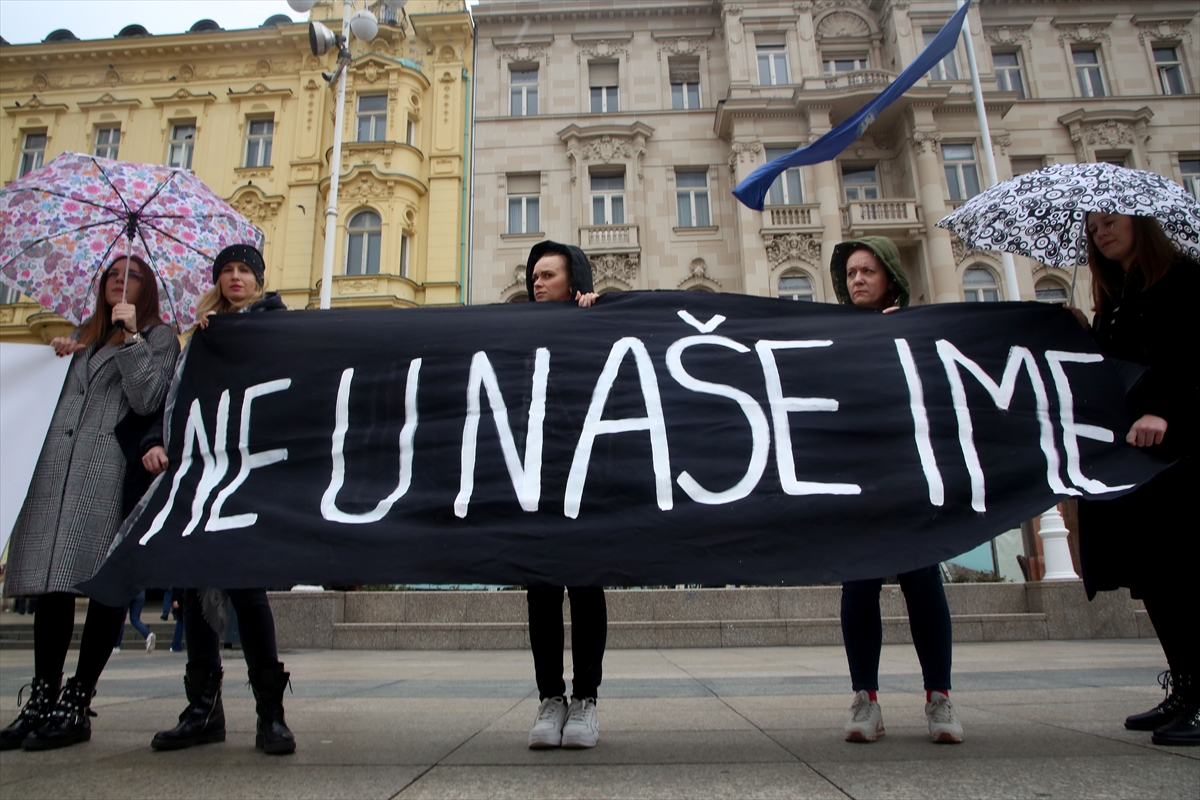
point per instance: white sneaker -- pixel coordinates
(582, 728)
(943, 722)
(866, 719)
(547, 729)
(150, 643)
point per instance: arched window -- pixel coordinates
(1050, 291)
(979, 286)
(796, 287)
(364, 234)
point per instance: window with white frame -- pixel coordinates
(1170, 69)
(771, 49)
(1022, 165)
(1008, 72)
(979, 286)
(608, 198)
(832, 65)
(1048, 290)
(603, 83)
(364, 235)
(372, 117)
(860, 182)
(1088, 71)
(108, 142)
(1190, 170)
(962, 171)
(183, 145)
(523, 90)
(405, 249)
(786, 189)
(947, 68)
(684, 73)
(259, 134)
(33, 152)
(794, 286)
(410, 132)
(524, 203)
(691, 198)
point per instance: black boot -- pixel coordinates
(1162, 713)
(1184, 729)
(33, 716)
(272, 736)
(68, 723)
(203, 721)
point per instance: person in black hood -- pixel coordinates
(238, 286)
(558, 272)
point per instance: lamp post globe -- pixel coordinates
(302, 6)
(395, 4)
(364, 25)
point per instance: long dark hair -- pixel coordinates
(99, 327)
(1153, 256)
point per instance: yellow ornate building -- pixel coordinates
(251, 114)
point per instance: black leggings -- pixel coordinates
(53, 625)
(589, 634)
(255, 623)
(1173, 611)
(928, 619)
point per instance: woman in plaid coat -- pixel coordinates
(123, 358)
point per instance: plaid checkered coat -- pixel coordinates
(73, 508)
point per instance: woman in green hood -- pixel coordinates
(867, 274)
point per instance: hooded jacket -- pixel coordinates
(884, 250)
(577, 262)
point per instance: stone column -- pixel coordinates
(828, 195)
(931, 195)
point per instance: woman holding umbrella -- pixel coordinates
(1144, 293)
(122, 362)
(238, 286)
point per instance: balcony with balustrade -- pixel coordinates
(609, 238)
(875, 79)
(792, 217)
(893, 216)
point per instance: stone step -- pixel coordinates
(19, 635)
(513, 635)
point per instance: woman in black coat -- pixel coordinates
(1144, 293)
(238, 284)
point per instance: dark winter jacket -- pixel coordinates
(884, 249)
(577, 261)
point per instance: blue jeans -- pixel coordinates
(928, 619)
(135, 618)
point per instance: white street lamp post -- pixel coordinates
(1055, 550)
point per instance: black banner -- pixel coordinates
(656, 438)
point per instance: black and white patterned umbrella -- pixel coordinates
(1041, 214)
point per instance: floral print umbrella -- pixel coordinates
(61, 225)
(1042, 214)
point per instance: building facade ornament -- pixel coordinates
(740, 152)
(621, 268)
(1089, 31)
(1007, 34)
(614, 48)
(252, 204)
(804, 246)
(1163, 29)
(697, 277)
(842, 23)
(1003, 141)
(606, 148)
(924, 141)
(961, 251)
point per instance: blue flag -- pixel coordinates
(753, 190)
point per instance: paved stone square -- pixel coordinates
(1042, 720)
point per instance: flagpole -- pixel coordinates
(989, 161)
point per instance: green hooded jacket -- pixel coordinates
(884, 250)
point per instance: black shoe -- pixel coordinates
(68, 723)
(272, 735)
(33, 716)
(1184, 729)
(203, 721)
(1162, 713)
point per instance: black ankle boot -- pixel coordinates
(272, 736)
(68, 723)
(33, 716)
(1162, 713)
(1184, 729)
(203, 721)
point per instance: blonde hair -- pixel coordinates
(214, 301)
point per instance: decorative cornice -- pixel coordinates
(33, 105)
(1163, 27)
(609, 45)
(257, 91)
(1083, 29)
(184, 96)
(527, 48)
(1011, 33)
(106, 100)
(606, 143)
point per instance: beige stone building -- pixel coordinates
(623, 127)
(249, 112)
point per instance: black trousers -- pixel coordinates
(53, 625)
(589, 634)
(254, 619)
(928, 619)
(1172, 610)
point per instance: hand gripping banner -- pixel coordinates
(656, 438)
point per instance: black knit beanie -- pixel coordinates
(247, 254)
